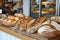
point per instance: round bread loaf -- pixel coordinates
(47, 32)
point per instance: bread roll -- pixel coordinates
(19, 15)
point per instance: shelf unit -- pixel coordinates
(44, 8)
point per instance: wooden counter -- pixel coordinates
(20, 36)
(24, 37)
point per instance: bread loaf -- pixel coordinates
(49, 29)
(11, 17)
(8, 22)
(22, 26)
(56, 19)
(56, 25)
(4, 16)
(19, 15)
(30, 23)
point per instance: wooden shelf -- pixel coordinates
(18, 35)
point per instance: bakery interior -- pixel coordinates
(31, 19)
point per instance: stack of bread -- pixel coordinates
(50, 28)
(46, 27)
(36, 24)
(12, 20)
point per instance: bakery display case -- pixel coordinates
(46, 8)
(35, 13)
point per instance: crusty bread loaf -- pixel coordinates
(56, 25)
(9, 22)
(11, 17)
(30, 23)
(56, 19)
(4, 21)
(49, 29)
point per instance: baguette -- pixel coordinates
(34, 27)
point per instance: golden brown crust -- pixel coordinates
(49, 34)
(11, 17)
(40, 20)
(56, 19)
(19, 15)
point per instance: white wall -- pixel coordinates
(26, 7)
